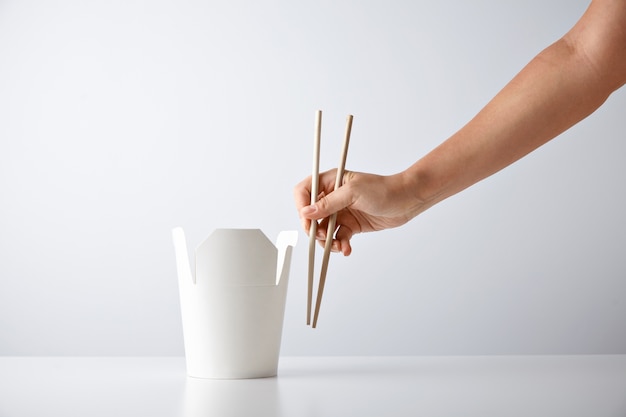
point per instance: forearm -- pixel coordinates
(557, 89)
(561, 86)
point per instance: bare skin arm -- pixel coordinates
(561, 86)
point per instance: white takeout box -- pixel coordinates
(233, 304)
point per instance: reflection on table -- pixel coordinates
(319, 386)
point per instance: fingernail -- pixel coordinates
(308, 210)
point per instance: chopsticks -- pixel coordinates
(332, 221)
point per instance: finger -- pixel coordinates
(302, 198)
(346, 226)
(306, 225)
(323, 233)
(331, 203)
(343, 236)
(302, 193)
(334, 247)
(322, 229)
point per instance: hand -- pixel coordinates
(364, 203)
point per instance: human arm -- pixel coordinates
(561, 86)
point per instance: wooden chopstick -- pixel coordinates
(314, 192)
(332, 221)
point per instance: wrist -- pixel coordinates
(412, 188)
(424, 187)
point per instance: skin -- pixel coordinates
(562, 85)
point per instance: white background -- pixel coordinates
(122, 119)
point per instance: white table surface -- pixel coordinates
(545, 386)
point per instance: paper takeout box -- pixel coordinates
(233, 302)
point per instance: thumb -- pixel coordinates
(331, 203)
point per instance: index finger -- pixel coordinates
(302, 198)
(302, 193)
